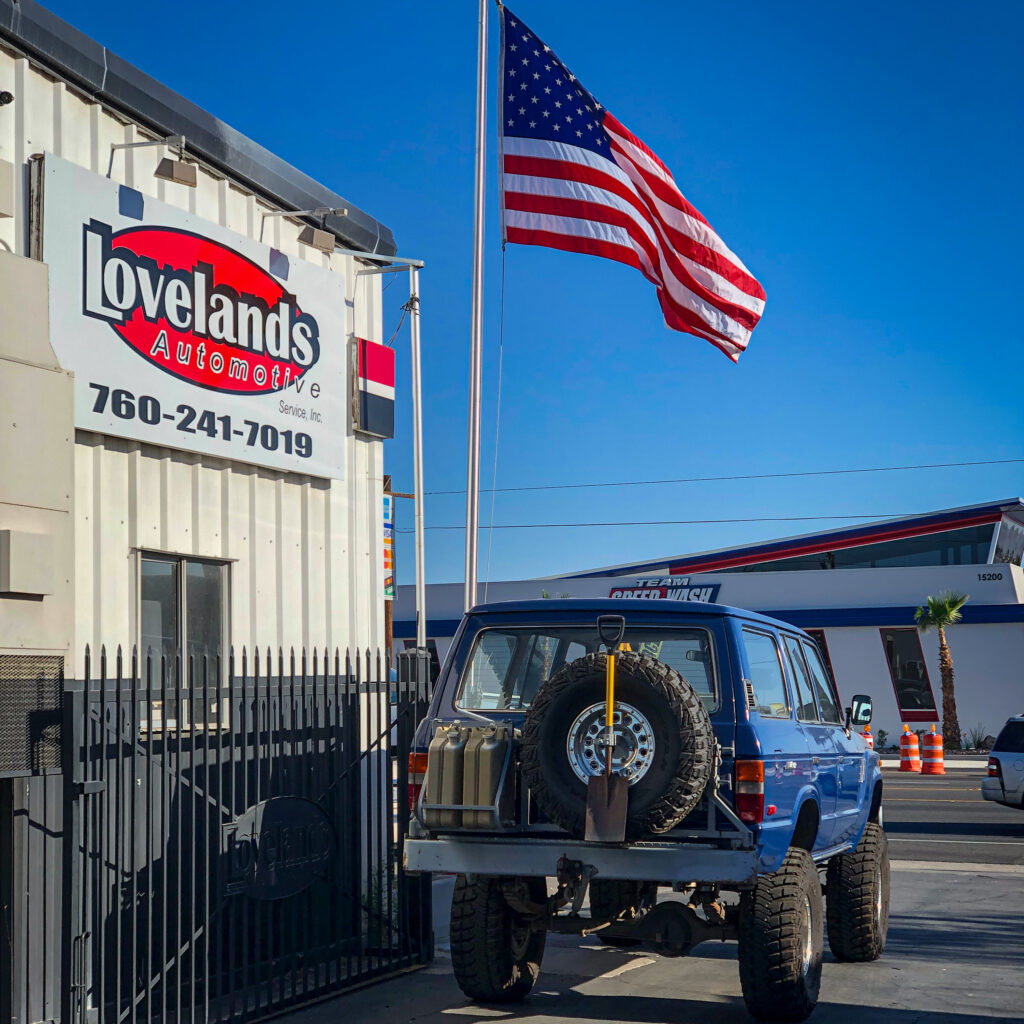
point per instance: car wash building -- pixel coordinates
(855, 590)
(193, 400)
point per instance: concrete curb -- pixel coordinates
(978, 764)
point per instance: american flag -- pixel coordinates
(574, 178)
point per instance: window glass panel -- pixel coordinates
(204, 615)
(822, 684)
(909, 674)
(766, 674)
(806, 710)
(159, 608)
(818, 636)
(1011, 739)
(508, 666)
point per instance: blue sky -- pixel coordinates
(864, 161)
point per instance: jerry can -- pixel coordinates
(446, 757)
(486, 753)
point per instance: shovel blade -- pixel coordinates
(607, 799)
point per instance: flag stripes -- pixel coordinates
(574, 178)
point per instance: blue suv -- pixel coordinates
(750, 793)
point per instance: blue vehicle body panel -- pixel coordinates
(810, 767)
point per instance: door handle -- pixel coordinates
(842, 760)
(790, 766)
(815, 760)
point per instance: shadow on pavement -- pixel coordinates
(639, 1009)
(984, 939)
(988, 829)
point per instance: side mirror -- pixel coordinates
(859, 712)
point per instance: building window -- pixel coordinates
(909, 675)
(183, 605)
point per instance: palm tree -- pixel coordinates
(943, 611)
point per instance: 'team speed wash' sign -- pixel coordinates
(183, 333)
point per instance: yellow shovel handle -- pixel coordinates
(609, 711)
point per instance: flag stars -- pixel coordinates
(547, 88)
(523, 86)
(568, 117)
(512, 73)
(513, 47)
(535, 99)
(526, 60)
(510, 122)
(558, 103)
(533, 124)
(522, 110)
(544, 113)
(557, 127)
(536, 74)
(579, 134)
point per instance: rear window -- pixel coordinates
(1011, 739)
(508, 666)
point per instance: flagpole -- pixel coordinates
(476, 324)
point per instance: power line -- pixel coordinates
(672, 522)
(745, 476)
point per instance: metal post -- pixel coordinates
(476, 325)
(417, 454)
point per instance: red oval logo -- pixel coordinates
(197, 309)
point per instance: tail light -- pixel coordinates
(749, 791)
(417, 770)
(994, 769)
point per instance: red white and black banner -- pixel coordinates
(184, 334)
(374, 405)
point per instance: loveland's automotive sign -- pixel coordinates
(182, 333)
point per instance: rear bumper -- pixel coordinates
(642, 862)
(992, 789)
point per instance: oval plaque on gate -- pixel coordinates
(277, 848)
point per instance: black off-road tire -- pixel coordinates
(495, 956)
(773, 940)
(609, 897)
(683, 750)
(857, 899)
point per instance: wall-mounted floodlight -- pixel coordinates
(168, 169)
(309, 235)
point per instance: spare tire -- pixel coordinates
(664, 742)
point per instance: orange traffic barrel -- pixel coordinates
(931, 754)
(868, 739)
(910, 754)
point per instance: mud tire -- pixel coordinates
(495, 957)
(780, 942)
(684, 742)
(857, 899)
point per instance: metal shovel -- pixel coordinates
(608, 793)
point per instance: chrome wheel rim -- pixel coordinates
(633, 753)
(808, 937)
(878, 899)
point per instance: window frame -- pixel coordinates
(540, 630)
(181, 611)
(909, 714)
(775, 639)
(787, 640)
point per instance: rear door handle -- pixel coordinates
(815, 760)
(790, 766)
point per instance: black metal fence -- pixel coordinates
(233, 836)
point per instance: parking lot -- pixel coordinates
(954, 952)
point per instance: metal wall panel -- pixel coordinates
(307, 566)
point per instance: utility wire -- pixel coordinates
(674, 522)
(744, 476)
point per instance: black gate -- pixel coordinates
(237, 833)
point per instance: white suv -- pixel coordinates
(1005, 780)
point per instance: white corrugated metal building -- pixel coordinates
(122, 540)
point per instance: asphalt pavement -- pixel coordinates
(954, 953)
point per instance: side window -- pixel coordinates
(806, 710)
(766, 674)
(822, 684)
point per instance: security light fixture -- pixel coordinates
(178, 171)
(318, 238)
(6, 97)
